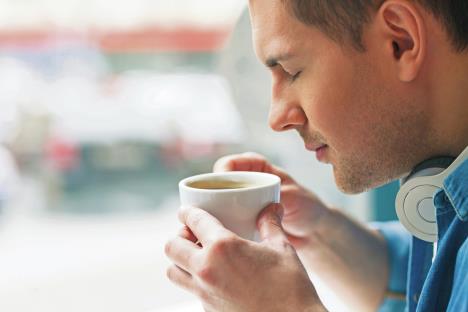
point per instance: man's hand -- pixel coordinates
(229, 273)
(350, 258)
(304, 213)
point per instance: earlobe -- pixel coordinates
(404, 28)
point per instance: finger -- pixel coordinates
(181, 252)
(285, 178)
(203, 225)
(186, 233)
(181, 278)
(269, 224)
(298, 242)
(241, 162)
(249, 162)
(238, 162)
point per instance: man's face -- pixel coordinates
(348, 106)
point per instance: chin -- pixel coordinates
(350, 189)
(353, 183)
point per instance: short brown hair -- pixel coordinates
(345, 19)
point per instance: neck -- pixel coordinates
(451, 106)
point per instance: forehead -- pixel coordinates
(274, 29)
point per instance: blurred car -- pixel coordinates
(125, 149)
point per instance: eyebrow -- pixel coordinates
(273, 61)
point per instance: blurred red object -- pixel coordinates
(62, 154)
(153, 39)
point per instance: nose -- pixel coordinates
(286, 115)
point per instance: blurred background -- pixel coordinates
(104, 106)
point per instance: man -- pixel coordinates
(374, 88)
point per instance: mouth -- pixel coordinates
(320, 150)
(315, 147)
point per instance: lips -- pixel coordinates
(320, 151)
(315, 147)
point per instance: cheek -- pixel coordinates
(335, 106)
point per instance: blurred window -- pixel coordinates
(106, 105)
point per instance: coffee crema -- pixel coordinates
(220, 184)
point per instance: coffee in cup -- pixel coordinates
(219, 184)
(234, 198)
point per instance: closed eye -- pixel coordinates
(291, 77)
(294, 77)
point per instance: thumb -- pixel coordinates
(269, 223)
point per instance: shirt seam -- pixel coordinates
(457, 212)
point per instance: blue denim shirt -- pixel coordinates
(442, 284)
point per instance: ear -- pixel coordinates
(405, 35)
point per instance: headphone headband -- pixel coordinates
(414, 201)
(440, 162)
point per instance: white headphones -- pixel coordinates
(414, 201)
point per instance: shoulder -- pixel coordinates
(458, 298)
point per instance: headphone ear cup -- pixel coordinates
(415, 208)
(414, 202)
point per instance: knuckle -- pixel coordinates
(224, 245)
(191, 260)
(207, 274)
(194, 219)
(170, 273)
(223, 163)
(168, 248)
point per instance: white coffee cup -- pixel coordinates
(237, 207)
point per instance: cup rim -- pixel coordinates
(275, 180)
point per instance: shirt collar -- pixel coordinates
(456, 188)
